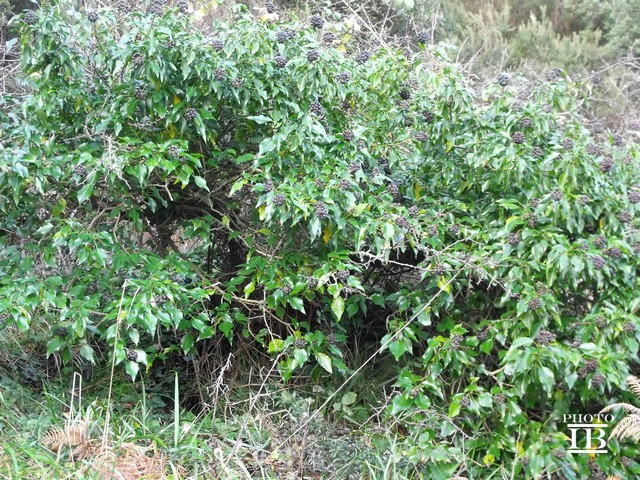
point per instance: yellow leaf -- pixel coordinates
(449, 147)
(417, 190)
(262, 212)
(341, 48)
(176, 100)
(488, 459)
(326, 236)
(443, 285)
(171, 130)
(602, 222)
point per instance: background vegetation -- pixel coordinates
(327, 241)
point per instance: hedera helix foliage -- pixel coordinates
(161, 187)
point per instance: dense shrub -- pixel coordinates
(160, 188)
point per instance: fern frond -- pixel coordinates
(628, 427)
(627, 407)
(72, 435)
(634, 385)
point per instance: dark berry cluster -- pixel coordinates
(567, 144)
(183, 6)
(342, 275)
(541, 289)
(270, 7)
(595, 78)
(465, 402)
(286, 289)
(92, 17)
(617, 139)
(279, 200)
(161, 299)
(423, 36)
(606, 164)
(30, 17)
(600, 241)
(596, 471)
(173, 151)
(156, 8)
(61, 332)
(403, 222)
(629, 327)
(282, 36)
(345, 184)
(526, 122)
(456, 341)
(220, 74)
(316, 107)
(557, 195)
(316, 21)
(413, 211)
(454, 229)
(513, 239)
(405, 94)
(534, 202)
(536, 152)
(363, 57)
(499, 399)
(190, 113)
(432, 230)
(545, 337)
(440, 269)
(594, 149)
(559, 453)
(534, 303)
(597, 380)
(584, 200)
(321, 210)
(312, 282)
(518, 138)
(503, 79)
(393, 190)
(531, 220)
(422, 137)
(553, 74)
(634, 196)
(589, 366)
(344, 77)
(42, 214)
(131, 354)
(313, 55)
(140, 92)
(331, 339)
(281, 62)
(80, 171)
(613, 252)
(598, 262)
(354, 167)
(217, 44)
(137, 59)
(328, 37)
(625, 217)
(428, 115)
(347, 135)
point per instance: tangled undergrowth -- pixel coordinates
(264, 202)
